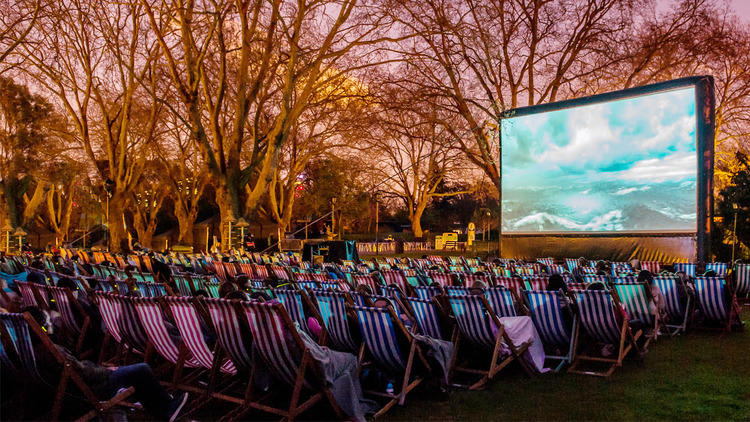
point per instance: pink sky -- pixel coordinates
(743, 8)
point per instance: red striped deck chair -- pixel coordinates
(514, 284)
(397, 278)
(187, 318)
(654, 267)
(280, 346)
(556, 269)
(366, 280)
(474, 318)
(71, 313)
(246, 268)
(596, 309)
(30, 294)
(470, 279)
(231, 268)
(152, 318)
(536, 283)
(386, 339)
(221, 272)
(111, 313)
(593, 278)
(443, 279)
(574, 286)
(260, 271)
(16, 331)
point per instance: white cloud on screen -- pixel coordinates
(673, 167)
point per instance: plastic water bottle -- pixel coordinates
(389, 388)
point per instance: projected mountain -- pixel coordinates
(628, 165)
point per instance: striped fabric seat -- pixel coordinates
(625, 279)
(635, 299)
(587, 270)
(366, 280)
(427, 292)
(393, 277)
(676, 313)
(571, 263)
(720, 268)
(597, 313)
(280, 272)
(546, 313)
(20, 339)
(212, 288)
(556, 269)
(111, 313)
(685, 267)
(189, 325)
(184, 284)
(546, 261)
(28, 294)
(131, 328)
(443, 279)
(709, 293)
(501, 301)
(576, 286)
(152, 318)
(742, 279)
(593, 278)
(536, 283)
(514, 284)
(292, 301)
(65, 302)
(260, 271)
(470, 279)
(425, 313)
(307, 285)
(473, 322)
(457, 291)
(654, 267)
(332, 308)
(230, 335)
(379, 335)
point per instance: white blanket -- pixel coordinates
(521, 330)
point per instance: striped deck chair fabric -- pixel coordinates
(379, 335)
(187, 319)
(427, 292)
(20, 338)
(64, 300)
(111, 313)
(685, 267)
(597, 313)
(457, 291)
(571, 263)
(230, 333)
(426, 315)
(358, 298)
(366, 280)
(536, 283)
(742, 279)
(545, 310)
(28, 295)
(332, 308)
(654, 267)
(546, 261)
(501, 301)
(443, 279)
(292, 302)
(514, 284)
(556, 269)
(395, 277)
(720, 268)
(307, 285)
(472, 320)
(130, 326)
(625, 279)
(593, 278)
(280, 272)
(709, 293)
(470, 279)
(184, 284)
(633, 296)
(152, 318)
(675, 310)
(576, 286)
(212, 288)
(587, 270)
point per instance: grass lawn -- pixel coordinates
(698, 376)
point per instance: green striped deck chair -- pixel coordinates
(635, 299)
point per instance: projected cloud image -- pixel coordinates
(626, 165)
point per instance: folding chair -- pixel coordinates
(427, 292)
(546, 261)
(709, 292)
(65, 306)
(184, 284)
(293, 301)
(332, 308)
(593, 278)
(132, 331)
(16, 330)
(597, 311)
(443, 279)
(475, 318)
(720, 268)
(366, 280)
(30, 294)
(212, 287)
(625, 279)
(546, 312)
(280, 346)
(684, 267)
(457, 290)
(675, 311)
(635, 299)
(514, 284)
(383, 335)
(742, 281)
(426, 315)
(501, 301)
(654, 267)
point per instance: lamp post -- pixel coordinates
(735, 207)
(20, 233)
(230, 220)
(7, 229)
(242, 224)
(377, 225)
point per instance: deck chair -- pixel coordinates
(474, 318)
(17, 330)
(597, 312)
(654, 267)
(68, 306)
(30, 295)
(677, 314)
(457, 290)
(426, 315)
(635, 299)
(383, 335)
(514, 284)
(281, 347)
(184, 284)
(366, 280)
(332, 308)
(212, 288)
(685, 267)
(546, 312)
(293, 301)
(742, 281)
(709, 293)
(501, 301)
(720, 268)
(536, 283)
(111, 312)
(132, 331)
(427, 292)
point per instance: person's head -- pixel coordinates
(710, 273)
(200, 292)
(682, 276)
(236, 295)
(41, 317)
(597, 285)
(635, 264)
(556, 282)
(645, 277)
(226, 288)
(363, 289)
(242, 281)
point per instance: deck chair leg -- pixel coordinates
(407, 374)
(61, 387)
(452, 364)
(82, 336)
(299, 380)
(105, 343)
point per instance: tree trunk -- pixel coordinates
(115, 223)
(30, 211)
(416, 220)
(227, 198)
(185, 220)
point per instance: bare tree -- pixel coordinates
(17, 19)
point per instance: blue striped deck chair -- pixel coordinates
(427, 292)
(593, 278)
(332, 309)
(556, 269)
(359, 299)
(330, 286)
(710, 295)
(457, 290)
(426, 316)
(307, 285)
(742, 280)
(392, 291)
(475, 318)
(685, 267)
(596, 308)
(546, 312)
(635, 299)
(294, 303)
(546, 261)
(677, 314)
(571, 264)
(17, 330)
(122, 287)
(384, 337)
(280, 346)
(720, 268)
(501, 301)
(105, 286)
(625, 279)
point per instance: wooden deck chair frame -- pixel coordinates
(69, 374)
(495, 364)
(627, 342)
(406, 384)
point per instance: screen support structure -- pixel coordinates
(705, 136)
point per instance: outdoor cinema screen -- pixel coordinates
(623, 165)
